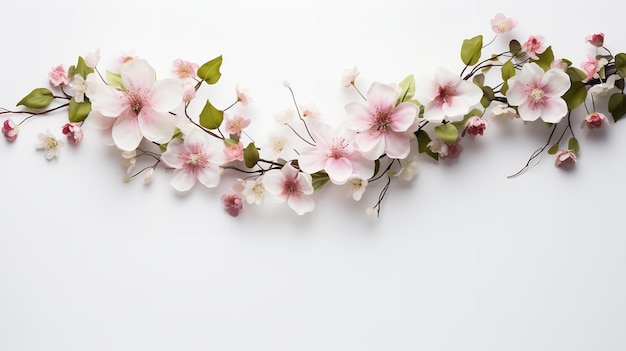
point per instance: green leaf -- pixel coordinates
(250, 155)
(115, 80)
(617, 105)
(81, 68)
(407, 89)
(78, 111)
(470, 51)
(553, 149)
(37, 99)
(576, 74)
(473, 112)
(479, 80)
(488, 96)
(545, 59)
(210, 71)
(211, 117)
(619, 84)
(573, 145)
(508, 70)
(620, 64)
(575, 95)
(422, 144)
(515, 48)
(319, 179)
(230, 142)
(447, 132)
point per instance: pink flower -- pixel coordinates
(334, 153)
(236, 124)
(184, 69)
(10, 130)
(196, 157)
(596, 40)
(476, 125)
(234, 152)
(142, 109)
(292, 186)
(309, 111)
(592, 66)
(538, 93)
(242, 95)
(382, 126)
(533, 46)
(565, 158)
(448, 97)
(594, 120)
(73, 132)
(501, 24)
(232, 202)
(349, 76)
(58, 76)
(559, 64)
(189, 90)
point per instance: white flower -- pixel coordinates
(78, 87)
(448, 97)
(356, 187)
(92, 58)
(253, 191)
(278, 145)
(602, 89)
(349, 76)
(283, 117)
(408, 170)
(149, 176)
(49, 144)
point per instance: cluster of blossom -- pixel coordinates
(376, 141)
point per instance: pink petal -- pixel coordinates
(273, 182)
(382, 96)
(209, 176)
(361, 166)
(167, 94)
(170, 156)
(156, 126)
(305, 181)
(312, 160)
(556, 82)
(528, 114)
(360, 117)
(104, 99)
(397, 145)
(137, 75)
(553, 110)
(126, 133)
(403, 117)
(339, 169)
(182, 180)
(371, 146)
(301, 204)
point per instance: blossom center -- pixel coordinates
(258, 190)
(194, 158)
(278, 145)
(136, 100)
(50, 144)
(445, 93)
(339, 148)
(381, 121)
(536, 95)
(291, 187)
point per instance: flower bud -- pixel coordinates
(73, 132)
(476, 125)
(565, 158)
(10, 130)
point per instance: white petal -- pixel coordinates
(209, 176)
(156, 126)
(126, 133)
(557, 82)
(273, 182)
(301, 204)
(170, 156)
(182, 181)
(137, 74)
(167, 94)
(528, 114)
(554, 110)
(104, 99)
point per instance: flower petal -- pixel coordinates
(104, 98)
(182, 180)
(273, 182)
(555, 82)
(167, 94)
(156, 126)
(397, 145)
(126, 133)
(382, 96)
(371, 145)
(209, 176)
(301, 204)
(360, 119)
(137, 75)
(527, 113)
(403, 117)
(338, 169)
(553, 110)
(170, 156)
(312, 160)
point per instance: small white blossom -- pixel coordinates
(49, 144)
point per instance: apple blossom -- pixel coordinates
(408, 169)
(565, 158)
(73, 132)
(448, 97)
(142, 109)
(594, 120)
(10, 129)
(334, 153)
(279, 144)
(49, 144)
(234, 125)
(196, 157)
(381, 126)
(58, 76)
(533, 46)
(538, 94)
(476, 125)
(184, 69)
(232, 202)
(291, 185)
(501, 24)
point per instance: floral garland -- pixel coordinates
(146, 118)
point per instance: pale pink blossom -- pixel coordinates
(565, 158)
(92, 58)
(58, 76)
(242, 95)
(356, 187)
(349, 76)
(408, 169)
(448, 97)
(446, 150)
(501, 24)
(142, 109)
(592, 66)
(309, 111)
(73, 131)
(476, 125)
(232, 203)
(184, 69)
(189, 90)
(234, 125)
(196, 157)
(49, 144)
(253, 191)
(538, 93)
(559, 64)
(533, 46)
(279, 144)
(78, 87)
(383, 127)
(594, 120)
(234, 152)
(10, 130)
(290, 185)
(596, 40)
(334, 153)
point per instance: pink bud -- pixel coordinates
(596, 40)
(10, 130)
(73, 132)
(232, 202)
(565, 158)
(58, 76)
(594, 120)
(476, 125)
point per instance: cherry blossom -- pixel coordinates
(232, 203)
(594, 120)
(501, 24)
(383, 127)
(565, 158)
(592, 66)
(279, 144)
(533, 46)
(448, 97)
(234, 125)
(196, 157)
(538, 93)
(10, 129)
(476, 125)
(142, 109)
(446, 150)
(253, 191)
(58, 76)
(356, 187)
(242, 95)
(504, 111)
(234, 152)
(49, 144)
(596, 40)
(78, 87)
(184, 69)
(73, 132)
(290, 185)
(334, 153)
(349, 76)
(148, 177)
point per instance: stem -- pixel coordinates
(534, 155)
(358, 91)
(293, 97)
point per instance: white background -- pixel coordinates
(461, 258)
